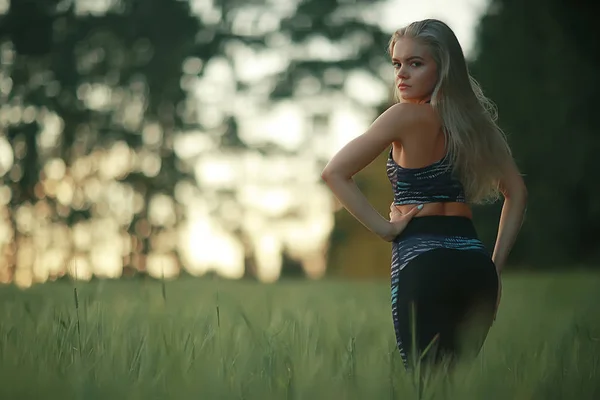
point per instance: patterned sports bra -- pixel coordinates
(431, 184)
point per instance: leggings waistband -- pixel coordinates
(440, 225)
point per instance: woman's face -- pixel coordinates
(415, 71)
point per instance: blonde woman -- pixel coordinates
(446, 153)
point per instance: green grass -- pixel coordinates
(292, 340)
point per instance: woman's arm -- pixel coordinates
(396, 121)
(513, 213)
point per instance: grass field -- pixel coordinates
(213, 339)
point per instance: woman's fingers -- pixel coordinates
(414, 210)
(396, 212)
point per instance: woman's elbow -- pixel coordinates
(521, 191)
(524, 193)
(517, 192)
(328, 174)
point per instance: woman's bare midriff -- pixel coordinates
(445, 209)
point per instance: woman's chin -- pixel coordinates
(410, 98)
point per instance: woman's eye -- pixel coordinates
(414, 64)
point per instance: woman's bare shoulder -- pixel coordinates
(411, 113)
(417, 118)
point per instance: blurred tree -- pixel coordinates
(28, 46)
(111, 79)
(541, 73)
(334, 41)
(115, 83)
(318, 48)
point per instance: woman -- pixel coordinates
(446, 153)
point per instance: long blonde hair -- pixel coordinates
(475, 145)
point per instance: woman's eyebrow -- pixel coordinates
(409, 58)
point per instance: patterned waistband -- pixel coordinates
(440, 225)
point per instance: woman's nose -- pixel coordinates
(402, 73)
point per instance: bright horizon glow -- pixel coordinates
(209, 248)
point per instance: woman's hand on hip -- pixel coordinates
(399, 221)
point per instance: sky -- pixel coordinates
(461, 15)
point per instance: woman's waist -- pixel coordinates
(441, 226)
(448, 209)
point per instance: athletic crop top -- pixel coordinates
(431, 184)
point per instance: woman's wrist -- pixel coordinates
(389, 232)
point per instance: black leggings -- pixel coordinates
(442, 272)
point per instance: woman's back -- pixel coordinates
(423, 152)
(425, 145)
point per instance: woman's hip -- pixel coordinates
(449, 244)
